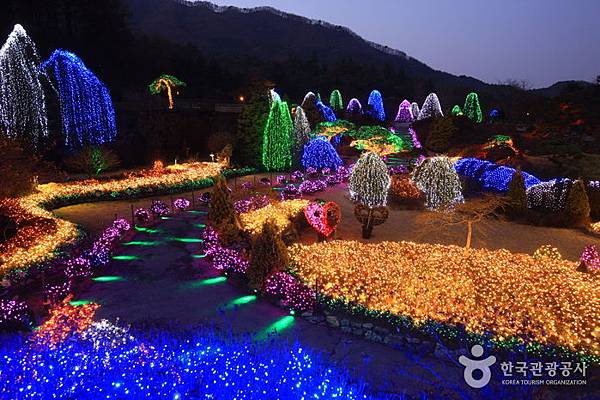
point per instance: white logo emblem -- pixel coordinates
(482, 365)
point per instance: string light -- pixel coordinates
(319, 154)
(375, 106)
(431, 108)
(41, 233)
(472, 110)
(414, 109)
(512, 295)
(22, 102)
(87, 112)
(549, 196)
(369, 181)
(456, 111)
(354, 107)
(166, 83)
(292, 293)
(301, 131)
(547, 251)
(282, 213)
(490, 176)
(405, 114)
(438, 180)
(277, 139)
(326, 112)
(335, 100)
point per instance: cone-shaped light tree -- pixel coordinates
(22, 103)
(414, 109)
(438, 180)
(301, 133)
(404, 112)
(431, 107)
(87, 112)
(354, 107)
(168, 84)
(472, 110)
(375, 106)
(309, 105)
(456, 111)
(335, 101)
(277, 138)
(269, 254)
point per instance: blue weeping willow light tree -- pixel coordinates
(87, 112)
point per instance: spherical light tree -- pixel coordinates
(301, 133)
(319, 154)
(472, 110)
(87, 112)
(431, 107)
(440, 183)
(335, 100)
(375, 106)
(22, 102)
(404, 112)
(369, 185)
(277, 139)
(166, 83)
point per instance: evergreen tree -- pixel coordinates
(441, 133)
(370, 181)
(472, 110)
(277, 138)
(251, 127)
(301, 134)
(269, 254)
(221, 213)
(517, 194)
(313, 114)
(577, 207)
(335, 101)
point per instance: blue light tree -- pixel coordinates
(326, 111)
(375, 106)
(88, 116)
(319, 154)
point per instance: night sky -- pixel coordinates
(541, 41)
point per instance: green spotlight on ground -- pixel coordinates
(276, 327)
(197, 212)
(81, 302)
(125, 258)
(147, 230)
(198, 255)
(141, 243)
(205, 282)
(201, 226)
(167, 218)
(186, 240)
(108, 279)
(242, 300)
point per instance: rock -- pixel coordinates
(367, 325)
(356, 324)
(368, 334)
(315, 319)
(307, 314)
(333, 321)
(346, 329)
(345, 322)
(357, 331)
(413, 340)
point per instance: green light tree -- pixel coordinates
(247, 149)
(166, 83)
(335, 100)
(456, 110)
(277, 138)
(472, 110)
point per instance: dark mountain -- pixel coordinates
(560, 87)
(263, 35)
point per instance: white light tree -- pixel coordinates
(369, 185)
(438, 180)
(414, 109)
(301, 132)
(22, 101)
(431, 107)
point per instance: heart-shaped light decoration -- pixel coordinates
(323, 217)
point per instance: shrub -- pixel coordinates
(441, 133)
(404, 191)
(93, 160)
(269, 254)
(222, 213)
(577, 207)
(517, 194)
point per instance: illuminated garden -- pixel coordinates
(327, 241)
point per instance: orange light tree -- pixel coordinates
(166, 83)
